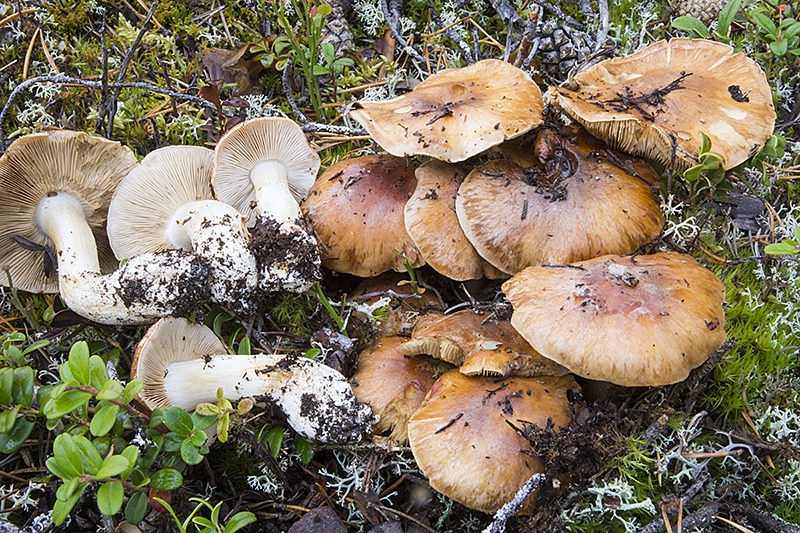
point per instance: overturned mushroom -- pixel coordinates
(479, 344)
(62, 182)
(645, 320)
(656, 102)
(166, 203)
(264, 167)
(182, 363)
(462, 436)
(456, 113)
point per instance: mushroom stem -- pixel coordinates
(143, 290)
(271, 186)
(216, 231)
(317, 400)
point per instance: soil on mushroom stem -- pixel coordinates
(270, 245)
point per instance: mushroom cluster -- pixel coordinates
(557, 195)
(559, 212)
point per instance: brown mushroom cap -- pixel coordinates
(479, 344)
(431, 221)
(582, 200)
(461, 439)
(456, 113)
(675, 88)
(356, 208)
(394, 385)
(634, 321)
(84, 167)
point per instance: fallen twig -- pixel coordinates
(502, 515)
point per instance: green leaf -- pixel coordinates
(79, 362)
(273, 439)
(222, 427)
(244, 346)
(55, 468)
(320, 70)
(22, 393)
(35, 346)
(691, 25)
(705, 143)
(782, 248)
(112, 466)
(779, 48)
(207, 409)
(201, 422)
(65, 403)
(324, 10)
(131, 453)
(203, 522)
(131, 390)
(178, 420)
(239, 520)
(6, 385)
(62, 509)
(166, 479)
(89, 456)
(8, 418)
(67, 489)
(110, 496)
(98, 374)
(198, 438)
(156, 417)
(136, 508)
(104, 419)
(190, 453)
(67, 455)
(726, 16)
(304, 448)
(11, 441)
(111, 390)
(693, 173)
(765, 23)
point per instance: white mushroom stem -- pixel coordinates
(145, 289)
(271, 186)
(317, 400)
(216, 231)
(297, 269)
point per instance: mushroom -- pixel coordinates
(166, 203)
(431, 221)
(356, 208)
(645, 320)
(264, 167)
(581, 200)
(462, 436)
(183, 363)
(657, 101)
(60, 184)
(393, 384)
(456, 113)
(479, 344)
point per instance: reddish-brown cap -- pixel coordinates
(645, 320)
(581, 200)
(479, 344)
(431, 221)
(675, 90)
(394, 385)
(456, 113)
(356, 208)
(462, 440)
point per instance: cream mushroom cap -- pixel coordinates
(274, 141)
(675, 89)
(166, 202)
(645, 320)
(455, 113)
(85, 168)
